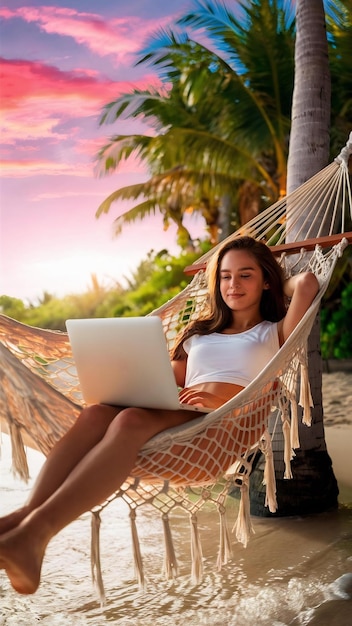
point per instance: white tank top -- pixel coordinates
(230, 358)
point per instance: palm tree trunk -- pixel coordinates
(313, 487)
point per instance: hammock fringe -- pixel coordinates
(269, 473)
(170, 567)
(243, 527)
(137, 555)
(288, 452)
(295, 443)
(196, 551)
(96, 571)
(19, 467)
(225, 552)
(305, 399)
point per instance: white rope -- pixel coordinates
(345, 153)
(321, 205)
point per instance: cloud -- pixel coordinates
(53, 195)
(120, 37)
(23, 81)
(32, 167)
(49, 117)
(37, 100)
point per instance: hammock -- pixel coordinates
(198, 462)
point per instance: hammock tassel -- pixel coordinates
(288, 452)
(137, 556)
(225, 545)
(305, 399)
(170, 568)
(295, 443)
(243, 527)
(196, 551)
(269, 473)
(19, 458)
(95, 556)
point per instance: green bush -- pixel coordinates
(336, 327)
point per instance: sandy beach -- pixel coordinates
(337, 403)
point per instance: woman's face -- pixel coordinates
(241, 281)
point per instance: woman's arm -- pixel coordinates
(302, 289)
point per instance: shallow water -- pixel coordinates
(285, 576)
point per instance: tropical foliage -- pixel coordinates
(336, 313)
(219, 123)
(339, 30)
(219, 133)
(336, 330)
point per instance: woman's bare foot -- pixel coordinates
(10, 521)
(21, 556)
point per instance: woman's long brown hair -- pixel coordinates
(219, 315)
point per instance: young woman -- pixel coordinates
(213, 359)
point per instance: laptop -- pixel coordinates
(124, 361)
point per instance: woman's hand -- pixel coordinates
(198, 397)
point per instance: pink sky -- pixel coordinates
(60, 64)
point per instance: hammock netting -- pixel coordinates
(202, 460)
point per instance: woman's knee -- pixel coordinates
(136, 423)
(96, 418)
(131, 419)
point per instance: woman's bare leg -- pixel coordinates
(89, 428)
(100, 472)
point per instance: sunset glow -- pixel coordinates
(60, 65)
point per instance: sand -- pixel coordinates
(337, 403)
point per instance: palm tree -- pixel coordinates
(313, 487)
(312, 102)
(311, 107)
(221, 131)
(174, 175)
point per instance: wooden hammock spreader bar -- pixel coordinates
(293, 247)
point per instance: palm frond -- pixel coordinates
(137, 213)
(120, 148)
(209, 152)
(156, 51)
(259, 46)
(132, 104)
(224, 119)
